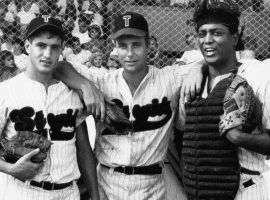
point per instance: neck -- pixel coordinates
(45, 79)
(134, 79)
(222, 68)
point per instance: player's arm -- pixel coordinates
(191, 85)
(86, 160)
(259, 143)
(91, 95)
(23, 169)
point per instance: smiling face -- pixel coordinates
(217, 44)
(132, 53)
(44, 51)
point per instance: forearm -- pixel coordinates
(86, 161)
(259, 143)
(65, 72)
(5, 166)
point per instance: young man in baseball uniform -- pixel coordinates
(216, 23)
(131, 166)
(35, 101)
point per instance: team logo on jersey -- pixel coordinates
(26, 119)
(144, 114)
(46, 18)
(126, 19)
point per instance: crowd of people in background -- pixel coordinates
(83, 24)
(87, 32)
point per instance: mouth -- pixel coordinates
(209, 51)
(46, 62)
(130, 62)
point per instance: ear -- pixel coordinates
(27, 46)
(235, 38)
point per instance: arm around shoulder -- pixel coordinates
(91, 95)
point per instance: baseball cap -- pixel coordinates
(44, 21)
(130, 23)
(225, 12)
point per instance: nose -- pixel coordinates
(47, 52)
(130, 52)
(208, 38)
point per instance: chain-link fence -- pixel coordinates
(88, 23)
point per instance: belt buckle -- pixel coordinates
(49, 185)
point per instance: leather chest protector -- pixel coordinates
(210, 162)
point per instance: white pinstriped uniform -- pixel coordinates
(141, 148)
(61, 163)
(258, 78)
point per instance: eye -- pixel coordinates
(201, 34)
(55, 47)
(218, 33)
(136, 44)
(41, 45)
(122, 45)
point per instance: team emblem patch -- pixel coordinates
(126, 18)
(46, 18)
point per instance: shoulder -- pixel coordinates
(252, 68)
(14, 82)
(256, 73)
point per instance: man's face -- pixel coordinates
(132, 53)
(9, 62)
(44, 52)
(216, 43)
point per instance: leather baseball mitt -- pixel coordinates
(22, 143)
(116, 121)
(241, 107)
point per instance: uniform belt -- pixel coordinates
(46, 185)
(143, 170)
(248, 171)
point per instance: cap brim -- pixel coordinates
(46, 25)
(128, 31)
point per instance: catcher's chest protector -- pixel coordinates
(210, 162)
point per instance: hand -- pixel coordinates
(24, 169)
(191, 86)
(94, 100)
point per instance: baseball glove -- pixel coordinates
(116, 121)
(241, 107)
(22, 143)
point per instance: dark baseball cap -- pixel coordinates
(44, 21)
(130, 23)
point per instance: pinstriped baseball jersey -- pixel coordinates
(255, 74)
(152, 110)
(25, 105)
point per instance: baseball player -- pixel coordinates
(217, 24)
(35, 101)
(131, 166)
